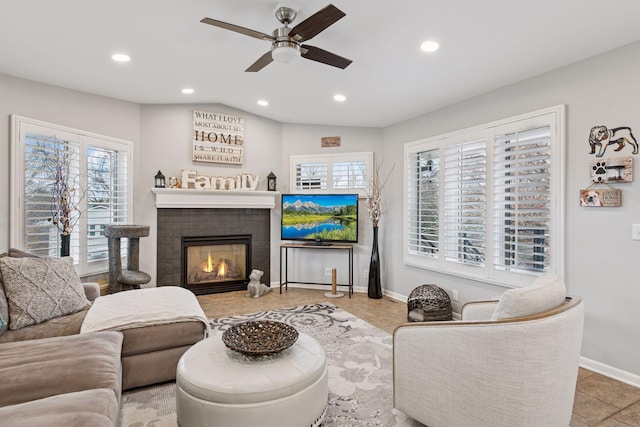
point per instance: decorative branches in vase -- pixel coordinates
(66, 192)
(375, 209)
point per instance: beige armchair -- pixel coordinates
(512, 362)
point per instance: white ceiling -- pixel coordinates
(484, 45)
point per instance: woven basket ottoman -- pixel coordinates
(219, 387)
(428, 303)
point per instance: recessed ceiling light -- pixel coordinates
(263, 103)
(121, 57)
(339, 97)
(429, 46)
(187, 91)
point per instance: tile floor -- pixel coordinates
(599, 401)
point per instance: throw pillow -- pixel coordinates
(17, 253)
(547, 291)
(40, 289)
(4, 305)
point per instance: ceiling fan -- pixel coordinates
(286, 42)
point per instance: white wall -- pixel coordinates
(166, 145)
(309, 265)
(601, 259)
(52, 104)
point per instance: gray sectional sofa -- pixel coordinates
(73, 380)
(54, 375)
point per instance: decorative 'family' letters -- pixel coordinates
(191, 179)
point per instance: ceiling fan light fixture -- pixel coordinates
(285, 52)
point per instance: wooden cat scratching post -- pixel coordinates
(334, 285)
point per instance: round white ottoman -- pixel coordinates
(219, 387)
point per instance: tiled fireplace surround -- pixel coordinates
(175, 223)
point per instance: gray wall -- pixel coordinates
(52, 104)
(309, 265)
(165, 143)
(601, 258)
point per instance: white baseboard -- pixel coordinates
(610, 371)
(356, 289)
(394, 295)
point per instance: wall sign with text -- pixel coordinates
(218, 138)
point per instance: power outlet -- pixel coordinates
(635, 231)
(454, 294)
(327, 271)
(365, 273)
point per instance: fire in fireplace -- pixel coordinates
(216, 263)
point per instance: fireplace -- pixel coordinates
(176, 224)
(212, 264)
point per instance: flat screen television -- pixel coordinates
(320, 219)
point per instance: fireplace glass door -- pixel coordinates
(215, 263)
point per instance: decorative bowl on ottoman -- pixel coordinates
(260, 337)
(428, 303)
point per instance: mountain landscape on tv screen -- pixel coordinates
(321, 219)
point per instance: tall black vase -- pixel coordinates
(374, 290)
(65, 240)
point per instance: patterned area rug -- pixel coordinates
(360, 371)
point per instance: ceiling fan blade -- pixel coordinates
(316, 23)
(262, 62)
(316, 54)
(237, 29)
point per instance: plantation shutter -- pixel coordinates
(465, 201)
(311, 176)
(41, 153)
(423, 193)
(342, 173)
(107, 196)
(95, 169)
(522, 204)
(349, 175)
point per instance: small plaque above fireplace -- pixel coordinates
(216, 263)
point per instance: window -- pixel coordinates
(486, 203)
(97, 170)
(343, 172)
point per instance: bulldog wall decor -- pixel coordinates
(601, 137)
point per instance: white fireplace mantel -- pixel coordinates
(189, 198)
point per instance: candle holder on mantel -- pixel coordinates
(271, 182)
(159, 180)
(334, 285)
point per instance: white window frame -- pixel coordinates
(553, 117)
(329, 160)
(19, 127)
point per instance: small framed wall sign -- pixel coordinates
(604, 197)
(619, 169)
(330, 141)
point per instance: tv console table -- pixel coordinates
(284, 257)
